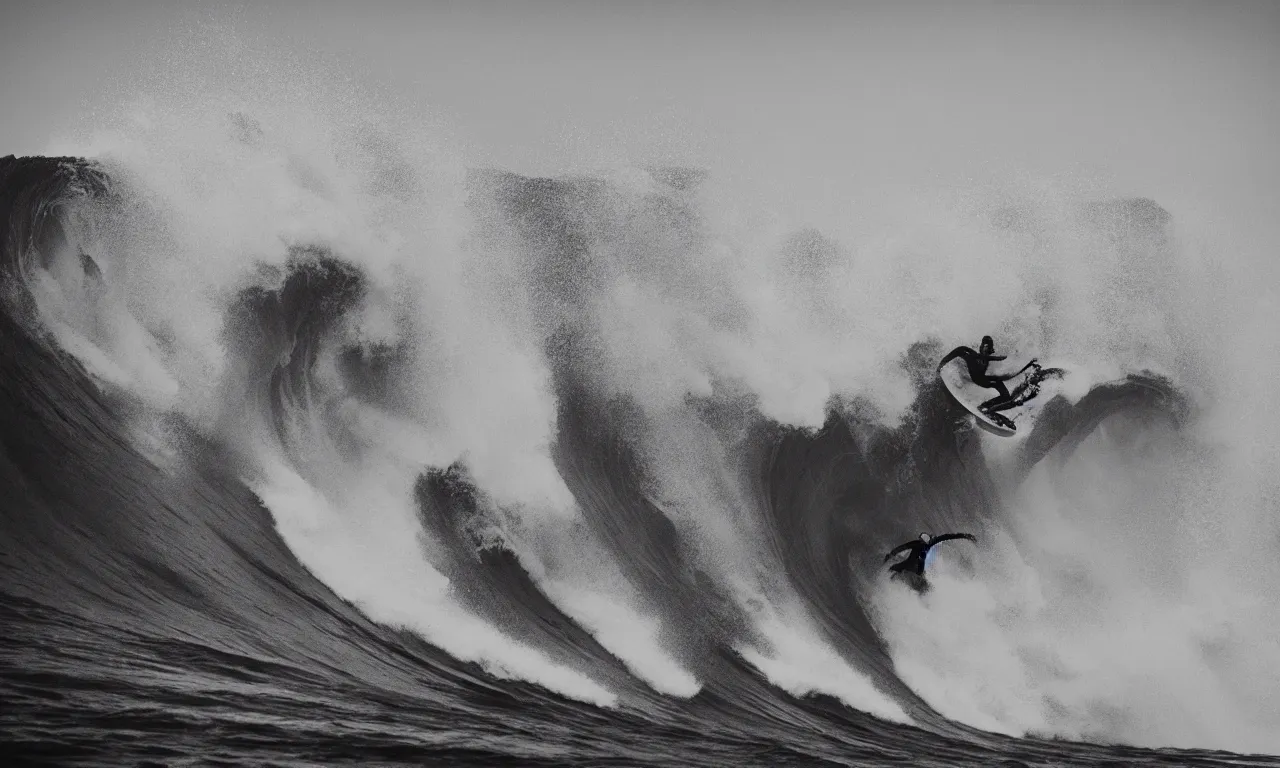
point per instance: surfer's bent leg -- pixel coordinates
(1002, 399)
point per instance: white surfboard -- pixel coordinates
(955, 376)
(1024, 387)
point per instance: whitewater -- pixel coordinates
(321, 445)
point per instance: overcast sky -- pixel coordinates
(1176, 100)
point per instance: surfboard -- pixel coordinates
(955, 377)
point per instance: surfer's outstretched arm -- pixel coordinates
(1007, 376)
(899, 550)
(964, 352)
(952, 536)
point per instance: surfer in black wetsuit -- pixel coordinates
(977, 363)
(912, 566)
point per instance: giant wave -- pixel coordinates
(316, 460)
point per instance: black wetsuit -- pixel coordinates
(914, 562)
(977, 363)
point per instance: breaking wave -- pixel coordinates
(306, 429)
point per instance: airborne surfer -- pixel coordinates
(912, 566)
(977, 363)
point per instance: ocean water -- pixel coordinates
(318, 448)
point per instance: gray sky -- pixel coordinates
(823, 103)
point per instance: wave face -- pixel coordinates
(311, 460)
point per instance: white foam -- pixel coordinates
(800, 662)
(367, 548)
(631, 637)
(1124, 612)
